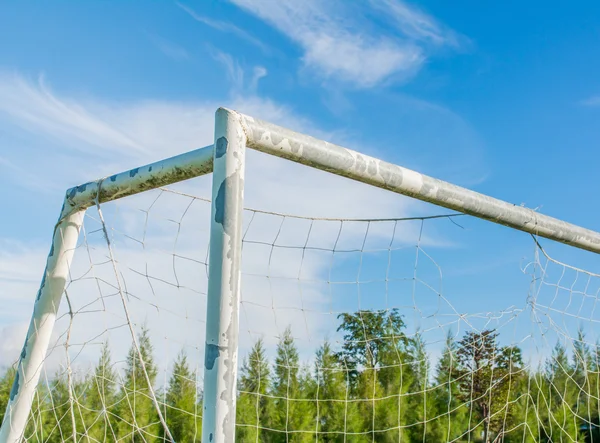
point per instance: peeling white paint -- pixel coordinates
(222, 322)
(269, 138)
(38, 335)
(233, 132)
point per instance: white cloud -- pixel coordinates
(235, 73)
(168, 48)
(225, 27)
(166, 282)
(23, 177)
(124, 135)
(34, 107)
(11, 343)
(239, 84)
(161, 265)
(27, 269)
(21, 268)
(258, 73)
(358, 60)
(338, 45)
(417, 25)
(592, 101)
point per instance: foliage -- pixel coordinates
(101, 398)
(136, 409)
(377, 385)
(254, 383)
(488, 375)
(182, 412)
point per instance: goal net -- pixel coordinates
(430, 326)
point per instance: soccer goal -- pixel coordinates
(171, 311)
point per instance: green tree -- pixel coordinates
(583, 381)
(559, 395)
(182, 414)
(421, 403)
(100, 400)
(488, 375)
(336, 413)
(137, 413)
(42, 422)
(375, 350)
(64, 421)
(370, 337)
(6, 383)
(508, 391)
(253, 404)
(290, 411)
(594, 389)
(451, 410)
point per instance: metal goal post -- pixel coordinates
(234, 133)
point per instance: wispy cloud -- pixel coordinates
(338, 45)
(33, 106)
(169, 49)
(26, 270)
(226, 27)
(592, 101)
(128, 134)
(23, 177)
(11, 342)
(258, 72)
(236, 73)
(416, 24)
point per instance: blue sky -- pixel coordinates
(500, 97)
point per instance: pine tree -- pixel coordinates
(488, 375)
(594, 377)
(421, 403)
(290, 410)
(582, 364)
(379, 387)
(523, 426)
(561, 398)
(336, 413)
(101, 390)
(509, 382)
(42, 423)
(452, 412)
(375, 351)
(253, 404)
(370, 337)
(373, 413)
(136, 409)
(183, 415)
(65, 422)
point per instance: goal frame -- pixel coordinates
(234, 132)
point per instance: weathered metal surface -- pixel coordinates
(281, 142)
(42, 322)
(233, 132)
(48, 298)
(222, 318)
(165, 172)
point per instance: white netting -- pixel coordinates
(422, 329)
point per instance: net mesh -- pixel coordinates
(418, 329)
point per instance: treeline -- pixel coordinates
(378, 386)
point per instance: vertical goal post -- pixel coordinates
(234, 133)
